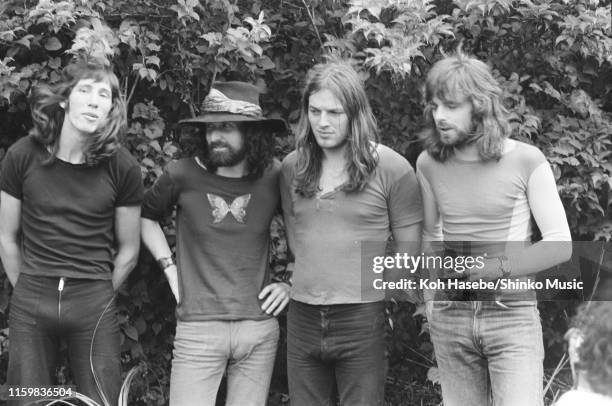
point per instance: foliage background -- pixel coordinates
(553, 57)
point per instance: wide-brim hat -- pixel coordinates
(234, 101)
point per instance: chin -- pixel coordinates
(332, 146)
(449, 143)
(88, 130)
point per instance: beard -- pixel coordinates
(462, 139)
(447, 149)
(228, 156)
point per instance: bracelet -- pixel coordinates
(165, 262)
(503, 266)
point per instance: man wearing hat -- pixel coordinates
(225, 200)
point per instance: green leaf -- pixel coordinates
(266, 63)
(131, 332)
(141, 325)
(153, 60)
(53, 44)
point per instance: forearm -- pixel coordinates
(11, 258)
(549, 214)
(124, 262)
(127, 233)
(525, 261)
(10, 235)
(154, 239)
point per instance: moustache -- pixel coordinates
(445, 125)
(218, 144)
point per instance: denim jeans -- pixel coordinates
(205, 350)
(40, 317)
(488, 352)
(336, 349)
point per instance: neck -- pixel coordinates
(237, 171)
(333, 164)
(70, 146)
(468, 153)
(335, 156)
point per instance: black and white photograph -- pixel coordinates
(306, 202)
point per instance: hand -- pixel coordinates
(172, 276)
(12, 279)
(277, 298)
(444, 274)
(489, 272)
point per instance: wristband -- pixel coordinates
(503, 266)
(165, 263)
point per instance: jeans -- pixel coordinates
(336, 349)
(41, 316)
(204, 350)
(488, 353)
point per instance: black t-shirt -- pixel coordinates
(222, 238)
(68, 210)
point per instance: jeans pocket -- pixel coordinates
(271, 332)
(436, 306)
(25, 301)
(515, 304)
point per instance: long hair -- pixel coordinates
(259, 144)
(594, 321)
(460, 77)
(344, 83)
(48, 115)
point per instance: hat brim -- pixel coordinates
(274, 124)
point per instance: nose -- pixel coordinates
(438, 113)
(93, 100)
(323, 119)
(214, 134)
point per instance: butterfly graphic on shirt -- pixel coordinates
(220, 207)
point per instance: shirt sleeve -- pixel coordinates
(11, 177)
(286, 180)
(546, 205)
(432, 225)
(160, 199)
(131, 189)
(405, 205)
(285, 188)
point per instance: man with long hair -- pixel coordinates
(341, 190)
(69, 231)
(590, 356)
(480, 190)
(225, 200)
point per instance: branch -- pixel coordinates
(311, 17)
(127, 101)
(125, 87)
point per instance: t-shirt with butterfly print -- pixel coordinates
(222, 237)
